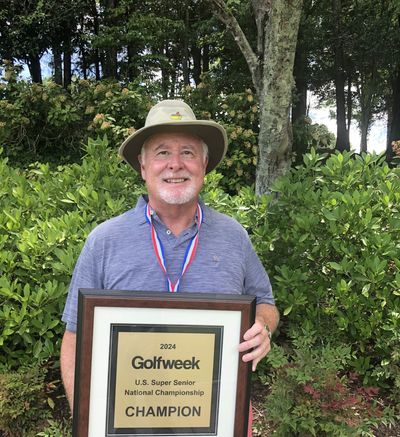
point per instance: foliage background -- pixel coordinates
(328, 235)
(328, 232)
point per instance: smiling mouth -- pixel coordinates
(175, 180)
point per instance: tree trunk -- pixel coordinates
(299, 103)
(196, 55)
(365, 121)
(274, 139)
(185, 58)
(173, 76)
(84, 64)
(342, 134)
(165, 73)
(110, 68)
(96, 32)
(67, 63)
(299, 108)
(394, 134)
(365, 93)
(364, 130)
(349, 104)
(35, 69)
(206, 58)
(110, 63)
(389, 119)
(131, 65)
(272, 77)
(57, 65)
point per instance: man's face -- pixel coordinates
(173, 167)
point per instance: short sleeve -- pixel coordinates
(256, 279)
(88, 273)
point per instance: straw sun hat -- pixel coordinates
(176, 116)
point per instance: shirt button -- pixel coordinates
(168, 232)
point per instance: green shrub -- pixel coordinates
(22, 401)
(46, 216)
(32, 402)
(47, 122)
(331, 243)
(310, 396)
(56, 428)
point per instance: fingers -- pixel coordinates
(256, 329)
(257, 342)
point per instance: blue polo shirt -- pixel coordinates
(119, 255)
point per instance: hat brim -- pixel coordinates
(210, 132)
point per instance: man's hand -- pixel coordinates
(256, 339)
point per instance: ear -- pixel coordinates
(142, 169)
(205, 164)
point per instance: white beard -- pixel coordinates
(178, 198)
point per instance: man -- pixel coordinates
(145, 248)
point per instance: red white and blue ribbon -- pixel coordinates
(159, 249)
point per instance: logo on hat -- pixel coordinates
(176, 116)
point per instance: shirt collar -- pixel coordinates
(142, 201)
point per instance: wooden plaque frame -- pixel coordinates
(112, 303)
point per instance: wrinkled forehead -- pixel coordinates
(173, 139)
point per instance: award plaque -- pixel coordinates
(161, 364)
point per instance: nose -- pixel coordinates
(175, 161)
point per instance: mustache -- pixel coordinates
(170, 175)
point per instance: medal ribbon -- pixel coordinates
(159, 250)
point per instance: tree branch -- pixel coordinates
(222, 12)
